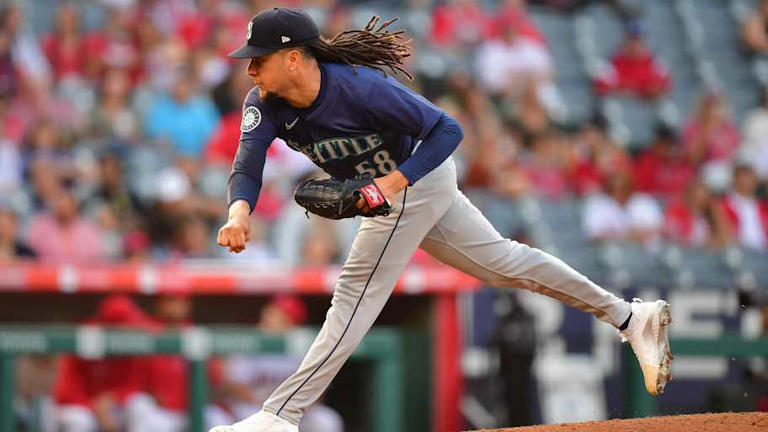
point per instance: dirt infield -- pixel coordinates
(725, 422)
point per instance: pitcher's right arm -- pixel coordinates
(256, 133)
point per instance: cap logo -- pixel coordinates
(250, 31)
(285, 39)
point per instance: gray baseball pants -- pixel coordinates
(435, 216)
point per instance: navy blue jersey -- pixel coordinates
(360, 123)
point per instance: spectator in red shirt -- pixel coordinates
(118, 46)
(227, 35)
(92, 393)
(460, 23)
(596, 158)
(634, 70)
(697, 218)
(747, 213)
(710, 135)
(661, 169)
(222, 146)
(546, 167)
(167, 375)
(165, 404)
(512, 14)
(70, 53)
(166, 15)
(228, 96)
(196, 27)
(12, 123)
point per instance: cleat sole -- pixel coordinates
(663, 375)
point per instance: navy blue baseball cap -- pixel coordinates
(274, 29)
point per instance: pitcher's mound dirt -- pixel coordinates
(725, 422)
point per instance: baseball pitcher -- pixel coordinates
(388, 152)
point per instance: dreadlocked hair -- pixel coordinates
(376, 48)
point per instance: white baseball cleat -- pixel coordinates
(259, 422)
(647, 334)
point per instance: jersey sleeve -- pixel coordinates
(394, 107)
(256, 133)
(398, 108)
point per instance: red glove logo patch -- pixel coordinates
(372, 195)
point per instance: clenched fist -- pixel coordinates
(237, 231)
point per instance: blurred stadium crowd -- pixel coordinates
(119, 121)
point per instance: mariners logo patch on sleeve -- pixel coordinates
(251, 119)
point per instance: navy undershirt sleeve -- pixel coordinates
(248, 167)
(245, 179)
(441, 141)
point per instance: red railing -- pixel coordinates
(210, 277)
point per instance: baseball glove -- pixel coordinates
(338, 199)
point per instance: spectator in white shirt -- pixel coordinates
(10, 167)
(622, 214)
(506, 66)
(754, 147)
(747, 214)
(25, 52)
